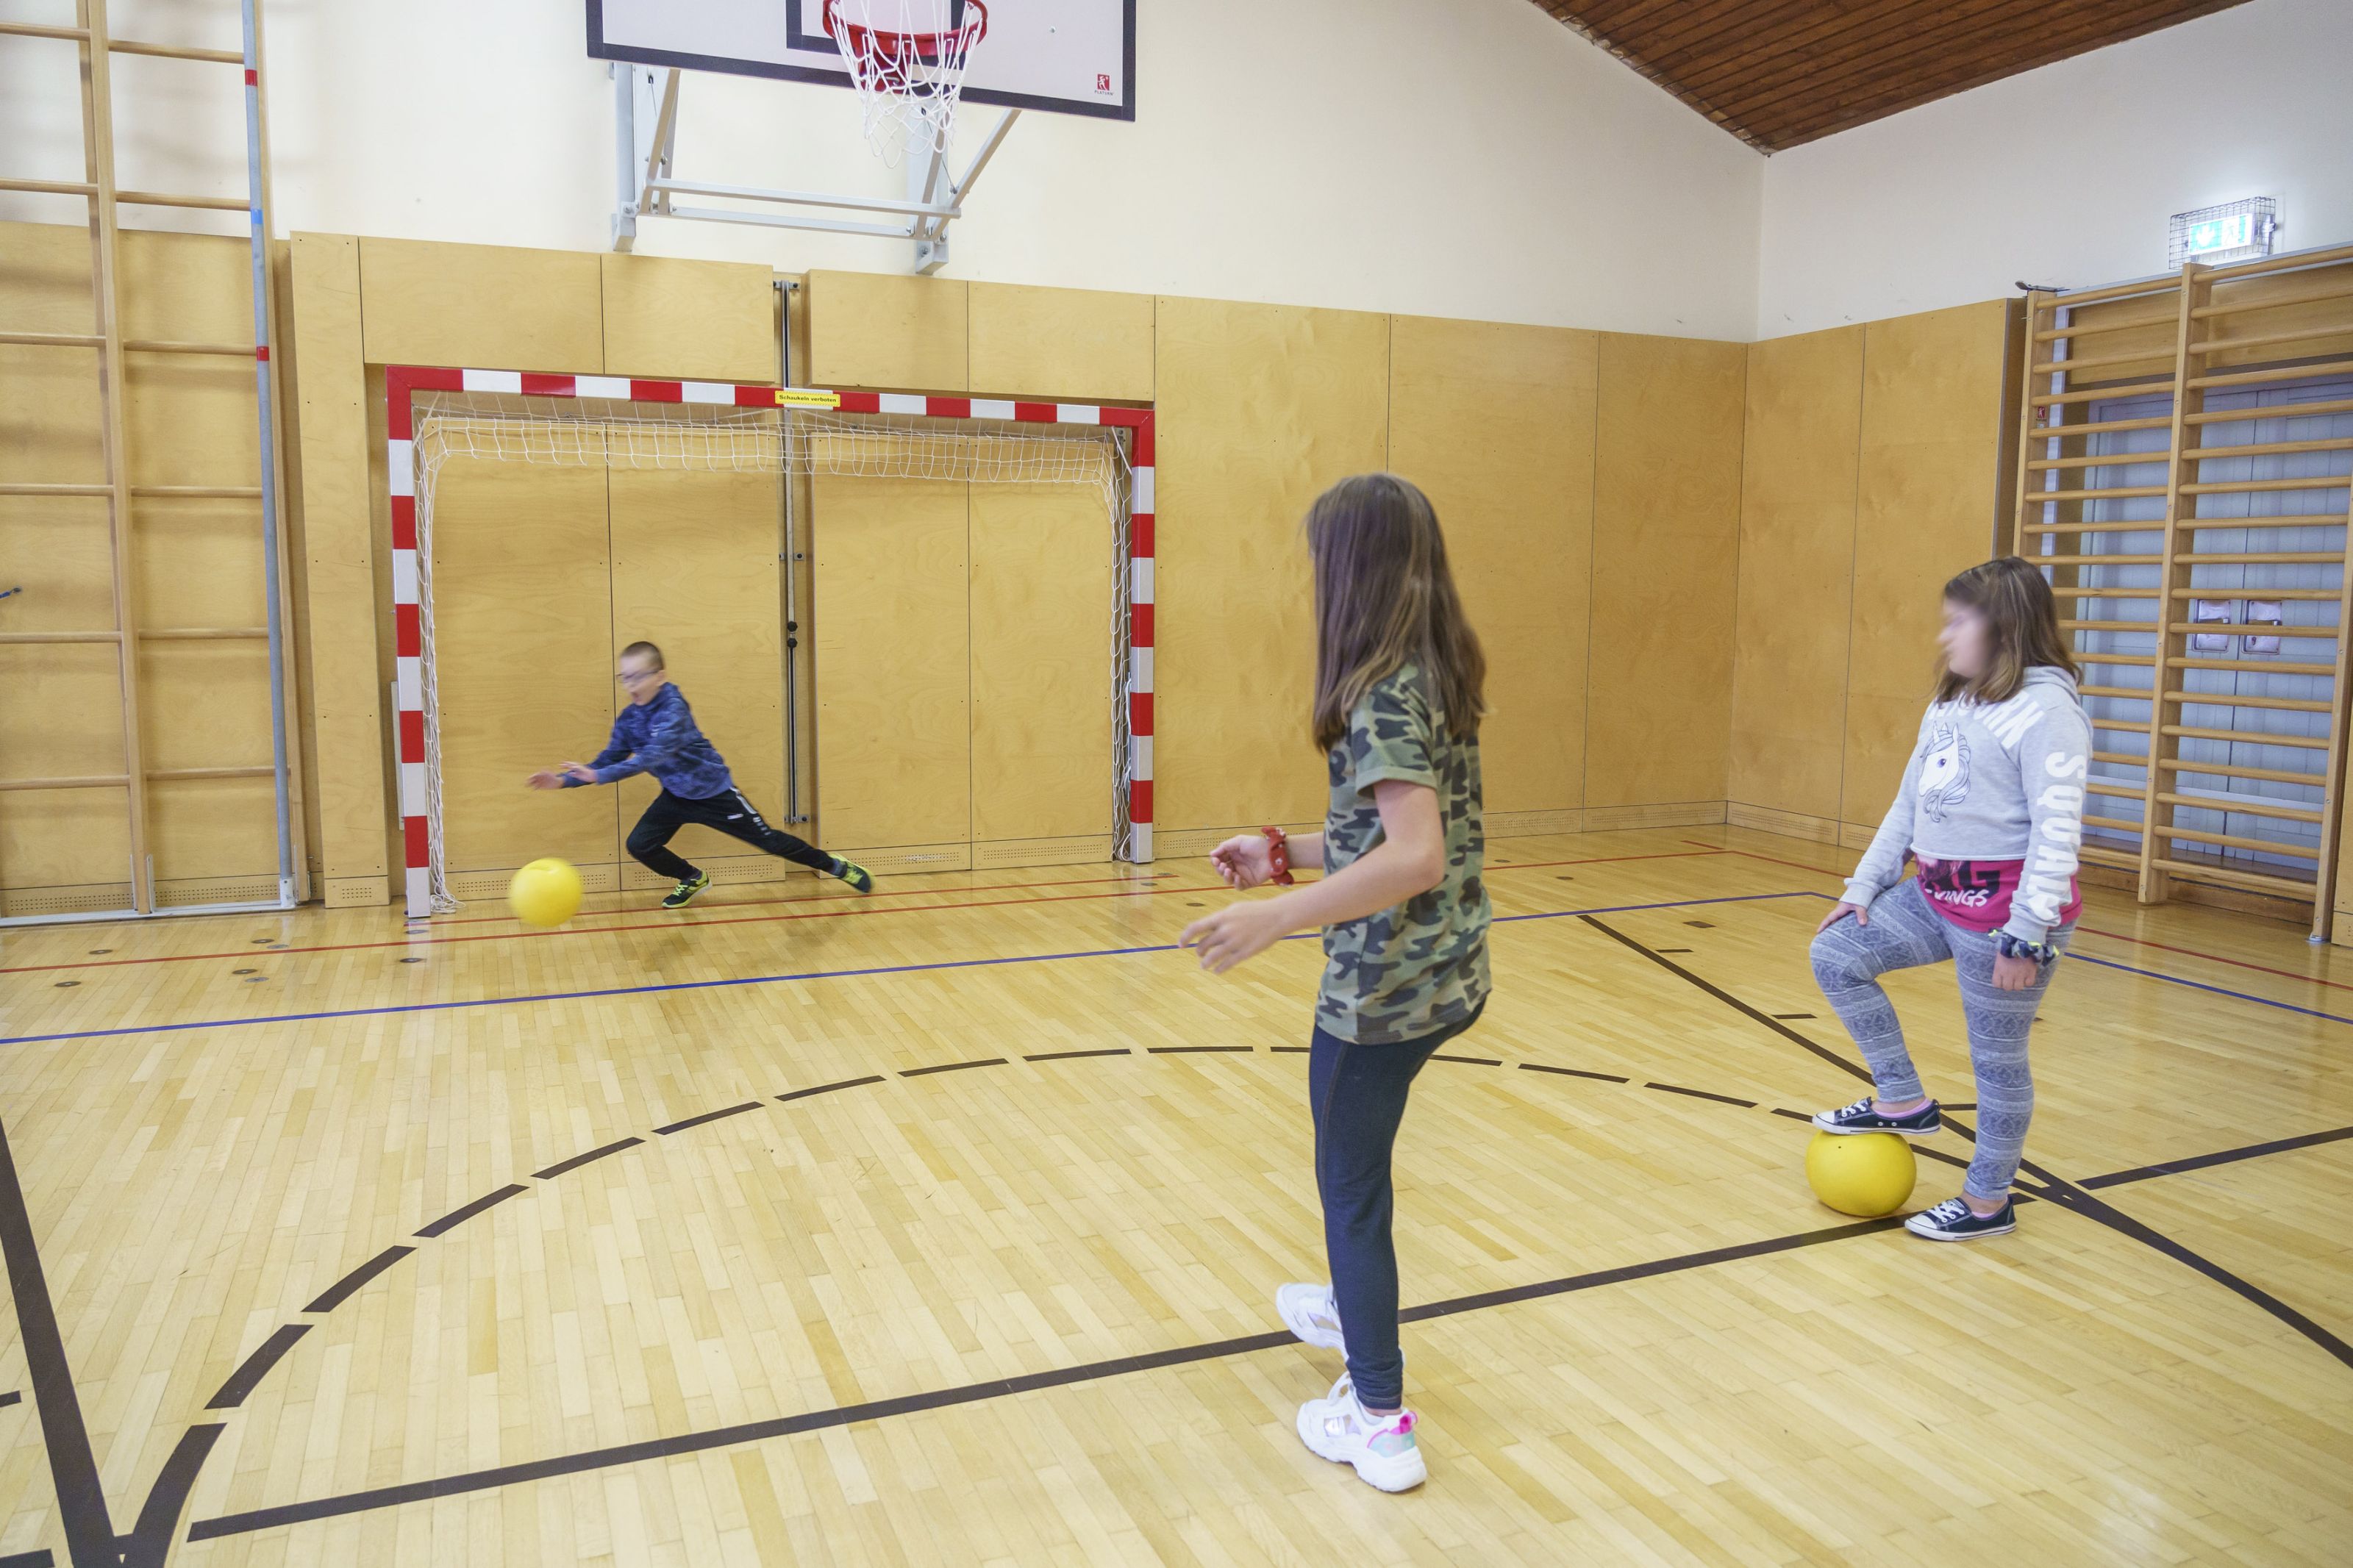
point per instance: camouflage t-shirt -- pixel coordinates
(1412, 970)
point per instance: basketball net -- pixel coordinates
(906, 59)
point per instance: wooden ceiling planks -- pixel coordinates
(1778, 73)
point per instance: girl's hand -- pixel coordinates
(1861, 918)
(1245, 860)
(1237, 932)
(2015, 974)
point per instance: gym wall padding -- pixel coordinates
(1072, 345)
(492, 306)
(1797, 566)
(867, 329)
(1666, 535)
(196, 565)
(1495, 423)
(709, 320)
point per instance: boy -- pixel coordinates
(655, 734)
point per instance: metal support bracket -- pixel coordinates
(644, 123)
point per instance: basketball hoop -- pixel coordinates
(908, 76)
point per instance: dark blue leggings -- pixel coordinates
(1358, 1095)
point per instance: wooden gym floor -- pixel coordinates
(942, 1226)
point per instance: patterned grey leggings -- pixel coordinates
(1905, 932)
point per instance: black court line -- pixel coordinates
(1075, 1055)
(1290, 1050)
(1196, 1050)
(577, 1161)
(912, 1403)
(1702, 1094)
(336, 1295)
(150, 1540)
(1729, 1000)
(456, 1217)
(829, 1088)
(1470, 1061)
(952, 1066)
(250, 1371)
(707, 1116)
(38, 1558)
(73, 1468)
(13, 1396)
(1793, 1015)
(1575, 1072)
(2220, 1157)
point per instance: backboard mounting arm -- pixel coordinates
(645, 115)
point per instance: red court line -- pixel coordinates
(856, 905)
(1795, 865)
(812, 898)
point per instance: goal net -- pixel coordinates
(585, 433)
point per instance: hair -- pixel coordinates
(2022, 621)
(1384, 598)
(647, 649)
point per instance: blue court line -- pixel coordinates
(779, 979)
(2077, 957)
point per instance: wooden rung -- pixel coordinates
(2296, 520)
(2090, 526)
(2113, 492)
(2289, 261)
(2234, 771)
(37, 30)
(2138, 386)
(175, 52)
(2237, 487)
(50, 187)
(2246, 737)
(2124, 692)
(2107, 593)
(2332, 594)
(2207, 312)
(175, 775)
(2110, 460)
(2122, 792)
(2105, 560)
(172, 199)
(2141, 661)
(2263, 667)
(2118, 858)
(2120, 759)
(159, 346)
(2112, 824)
(2278, 373)
(2254, 881)
(2108, 625)
(2099, 361)
(2268, 449)
(2247, 804)
(2267, 339)
(203, 633)
(2261, 629)
(60, 637)
(2261, 558)
(54, 340)
(2151, 290)
(2236, 841)
(2156, 422)
(197, 492)
(86, 781)
(2281, 704)
(2284, 411)
(57, 489)
(2098, 329)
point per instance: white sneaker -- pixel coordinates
(1309, 1312)
(1383, 1453)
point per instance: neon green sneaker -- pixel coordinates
(856, 875)
(683, 894)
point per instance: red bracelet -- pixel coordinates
(1278, 855)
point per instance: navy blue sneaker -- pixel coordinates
(1925, 1123)
(1954, 1220)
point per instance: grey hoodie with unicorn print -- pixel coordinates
(1999, 780)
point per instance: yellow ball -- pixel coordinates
(544, 893)
(1866, 1173)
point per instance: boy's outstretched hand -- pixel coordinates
(553, 778)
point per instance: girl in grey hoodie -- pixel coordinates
(1991, 807)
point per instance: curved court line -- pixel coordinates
(391, 1009)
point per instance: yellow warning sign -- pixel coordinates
(807, 397)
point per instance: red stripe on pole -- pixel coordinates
(425, 377)
(408, 631)
(412, 736)
(949, 408)
(252, 77)
(1139, 535)
(657, 391)
(1036, 413)
(755, 396)
(1139, 625)
(404, 523)
(1128, 418)
(396, 422)
(261, 351)
(550, 385)
(1139, 712)
(861, 403)
(1142, 456)
(1139, 800)
(420, 850)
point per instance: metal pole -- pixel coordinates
(625, 139)
(792, 813)
(261, 335)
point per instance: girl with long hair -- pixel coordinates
(1404, 915)
(1991, 807)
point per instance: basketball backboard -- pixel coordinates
(1065, 57)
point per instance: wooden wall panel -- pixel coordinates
(342, 685)
(1928, 491)
(893, 667)
(523, 631)
(1041, 674)
(1496, 425)
(487, 307)
(1666, 527)
(695, 571)
(1261, 408)
(1073, 345)
(1797, 563)
(869, 329)
(709, 320)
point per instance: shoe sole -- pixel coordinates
(1304, 1331)
(1383, 1475)
(1962, 1236)
(1821, 1126)
(686, 901)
